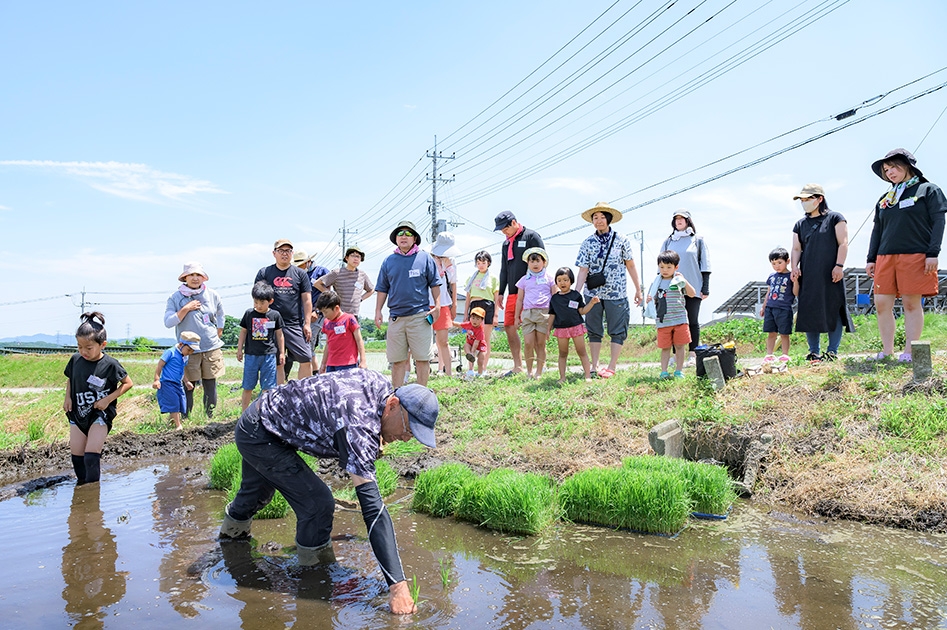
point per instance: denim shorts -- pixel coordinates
(262, 366)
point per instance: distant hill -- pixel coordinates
(67, 340)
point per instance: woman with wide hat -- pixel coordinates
(905, 244)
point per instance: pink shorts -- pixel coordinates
(570, 332)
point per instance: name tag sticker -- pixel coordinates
(358, 285)
(573, 304)
(205, 317)
(270, 324)
(340, 329)
(414, 273)
(521, 244)
(95, 381)
(907, 203)
(540, 281)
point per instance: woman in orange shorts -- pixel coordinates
(905, 244)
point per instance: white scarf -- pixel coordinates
(679, 234)
(484, 282)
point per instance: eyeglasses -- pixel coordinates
(404, 421)
(405, 233)
(283, 250)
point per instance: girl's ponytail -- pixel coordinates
(92, 327)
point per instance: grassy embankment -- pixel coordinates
(852, 438)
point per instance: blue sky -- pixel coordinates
(135, 138)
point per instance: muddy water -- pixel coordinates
(139, 550)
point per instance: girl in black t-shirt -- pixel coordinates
(566, 309)
(95, 381)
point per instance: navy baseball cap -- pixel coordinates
(503, 220)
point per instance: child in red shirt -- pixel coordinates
(475, 346)
(344, 349)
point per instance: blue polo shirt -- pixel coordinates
(406, 280)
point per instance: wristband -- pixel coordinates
(838, 265)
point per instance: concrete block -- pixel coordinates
(667, 439)
(921, 360)
(714, 372)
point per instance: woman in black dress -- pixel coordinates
(819, 248)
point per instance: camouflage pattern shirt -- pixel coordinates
(331, 415)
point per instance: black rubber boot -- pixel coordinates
(92, 470)
(78, 465)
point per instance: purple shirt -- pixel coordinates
(537, 289)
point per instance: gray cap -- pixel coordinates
(421, 405)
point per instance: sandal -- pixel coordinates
(904, 357)
(881, 356)
(784, 359)
(769, 358)
(664, 375)
(605, 373)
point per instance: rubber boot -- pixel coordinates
(92, 466)
(314, 556)
(78, 465)
(232, 528)
(210, 396)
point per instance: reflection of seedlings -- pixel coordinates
(445, 570)
(414, 588)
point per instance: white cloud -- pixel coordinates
(5, 208)
(582, 186)
(410, 106)
(127, 180)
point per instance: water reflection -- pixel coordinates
(92, 582)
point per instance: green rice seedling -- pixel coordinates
(415, 588)
(708, 486)
(225, 467)
(445, 564)
(278, 507)
(437, 490)
(645, 501)
(35, 429)
(509, 501)
(397, 449)
(387, 478)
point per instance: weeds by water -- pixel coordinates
(445, 565)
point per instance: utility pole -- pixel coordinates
(639, 236)
(345, 233)
(434, 179)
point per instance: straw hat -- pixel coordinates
(602, 206)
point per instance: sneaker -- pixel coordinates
(829, 356)
(663, 375)
(678, 374)
(812, 357)
(769, 358)
(784, 359)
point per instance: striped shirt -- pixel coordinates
(350, 286)
(673, 297)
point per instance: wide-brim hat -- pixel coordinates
(421, 405)
(354, 249)
(876, 166)
(445, 246)
(300, 256)
(810, 190)
(403, 225)
(535, 250)
(602, 206)
(192, 267)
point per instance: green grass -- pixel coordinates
(398, 449)
(509, 501)
(709, 487)
(436, 491)
(644, 501)
(915, 418)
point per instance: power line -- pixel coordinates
(771, 155)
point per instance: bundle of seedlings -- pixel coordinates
(509, 501)
(709, 486)
(436, 491)
(645, 501)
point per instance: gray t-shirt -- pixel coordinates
(350, 286)
(695, 260)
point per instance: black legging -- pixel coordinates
(692, 305)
